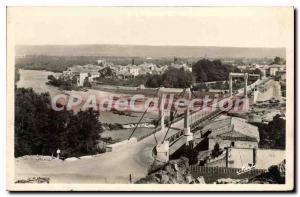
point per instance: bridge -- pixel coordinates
(132, 159)
(182, 135)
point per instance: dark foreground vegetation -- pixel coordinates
(41, 130)
(272, 135)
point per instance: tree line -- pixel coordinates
(172, 78)
(41, 130)
(203, 70)
(207, 70)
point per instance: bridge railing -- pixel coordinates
(173, 138)
(196, 118)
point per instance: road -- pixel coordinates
(111, 167)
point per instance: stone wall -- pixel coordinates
(227, 143)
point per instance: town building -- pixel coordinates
(101, 62)
(81, 72)
(242, 67)
(82, 77)
(133, 70)
(274, 68)
(281, 75)
(184, 66)
(231, 132)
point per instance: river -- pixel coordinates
(36, 79)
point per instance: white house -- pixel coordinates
(101, 62)
(133, 70)
(184, 66)
(274, 68)
(81, 79)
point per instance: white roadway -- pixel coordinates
(111, 167)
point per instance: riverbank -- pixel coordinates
(37, 80)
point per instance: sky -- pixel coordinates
(185, 26)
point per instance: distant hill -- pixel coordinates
(149, 51)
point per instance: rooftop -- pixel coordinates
(232, 128)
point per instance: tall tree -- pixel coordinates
(41, 130)
(207, 70)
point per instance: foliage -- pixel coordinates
(272, 176)
(63, 83)
(192, 155)
(172, 78)
(53, 63)
(216, 151)
(207, 70)
(278, 60)
(86, 82)
(131, 82)
(153, 81)
(67, 83)
(177, 78)
(41, 130)
(61, 63)
(255, 71)
(272, 135)
(82, 134)
(107, 72)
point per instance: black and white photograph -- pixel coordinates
(150, 98)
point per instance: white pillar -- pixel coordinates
(187, 114)
(230, 84)
(162, 152)
(255, 96)
(58, 153)
(161, 108)
(245, 104)
(187, 130)
(246, 84)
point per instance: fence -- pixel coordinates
(211, 174)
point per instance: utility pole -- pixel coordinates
(226, 149)
(130, 178)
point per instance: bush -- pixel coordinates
(172, 78)
(216, 151)
(272, 135)
(41, 130)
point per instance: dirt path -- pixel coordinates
(111, 167)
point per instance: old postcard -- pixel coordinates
(150, 98)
